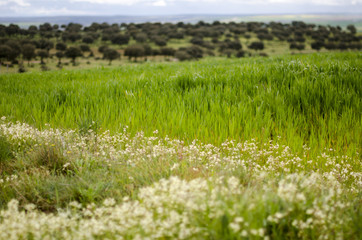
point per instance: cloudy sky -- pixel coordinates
(16, 8)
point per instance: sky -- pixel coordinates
(18, 8)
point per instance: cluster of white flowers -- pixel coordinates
(284, 190)
(7, 179)
(229, 157)
(175, 208)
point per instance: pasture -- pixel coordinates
(251, 148)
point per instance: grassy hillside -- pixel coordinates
(257, 148)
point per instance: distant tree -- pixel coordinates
(300, 39)
(32, 30)
(352, 29)
(297, 46)
(160, 41)
(88, 39)
(73, 53)
(111, 31)
(12, 29)
(45, 44)
(47, 35)
(194, 51)
(93, 27)
(197, 40)
(141, 37)
(74, 27)
(148, 50)
(229, 52)
(59, 55)
(177, 35)
(215, 40)
(42, 54)
(15, 47)
(10, 50)
(156, 52)
(265, 36)
(21, 68)
(46, 27)
(330, 45)
(342, 46)
(134, 51)
(317, 45)
(182, 55)
(240, 54)
(29, 52)
(71, 36)
(208, 45)
(110, 54)
(180, 24)
(235, 45)
(57, 34)
(256, 46)
(5, 52)
(356, 46)
(61, 46)
(102, 48)
(120, 39)
(84, 48)
(166, 51)
(106, 37)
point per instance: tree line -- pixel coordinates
(135, 40)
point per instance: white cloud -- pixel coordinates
(60, 11)
(115, 2)
(254, 2)
(150, 7)
(160, 3)
(318, 2)
(21, 3)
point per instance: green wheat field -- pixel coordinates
(255, 148)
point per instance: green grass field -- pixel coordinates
(312, 99)
(256, 148)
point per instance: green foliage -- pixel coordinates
(134, 51)
(111, 54)
(29, 51)
(61, 46)
(42, 54)
(313, 99)
(73, 53)
(299, 178)
(257, 46)
(6, 154)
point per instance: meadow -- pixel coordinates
(256, 148)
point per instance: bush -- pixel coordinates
(61, 46)
(168, 51)
(240, 54)
(111, 54)
(182, 55)
(73, 53)
(317, 45)
(88, 39)
(297, 46)
(257, 46)
(160, 41)
(102, 48)
(120, 39)
(134, 51)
